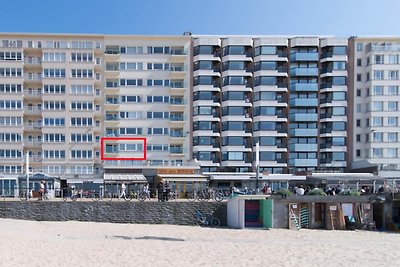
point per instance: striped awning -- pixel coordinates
(127, 177)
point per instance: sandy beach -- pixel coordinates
(31, 243)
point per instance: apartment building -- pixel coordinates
(289, 94)
(61, 94)
(375, 96)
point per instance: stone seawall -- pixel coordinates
(179, 212)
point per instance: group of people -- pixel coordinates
(146, 190)
(163, 191)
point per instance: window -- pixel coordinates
(81, 121)
(82, 44)
(81, 138)
(77, 89)
(54, 105)
(158, 66)
(130, 66)
(10, 88)
(81, 105)
(379, 59)
(377, 152)
(393, 74)
(358, 137)
(359, 108)
(81, 154)
(157, 99)
(392, 106)
(158, 131)
(10, 104)
(358, 153)
(157, 115)
(157, 82)
(359, 92)
(54, 73)
(10, 121)
(10, 137)
(130, 115)
(233, 155)
(11, 72)
(359, 77)
(392, 137)
(358, 123)
(393, 90)
(359, 47)
(54, 138)
(377, 90)
(53, 57)
(359, 62)
(393, 59)
(130, 131)
(377, 121)
(377, 105)
(158, 50)
(81, 73)
(54, 122)
(125, 82)
(54, 89)
(54, 154)
(377, 137)
(378, 74)
(392, 121)
(130, 99)
(131, 50)
(11, 56)
(82, 57)
(391, 152)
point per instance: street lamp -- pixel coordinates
(257, 166)
(27, 175)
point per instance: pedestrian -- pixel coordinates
(41, 190)
(166, 191)
(123, 191)
(160, 188)
(146, 190)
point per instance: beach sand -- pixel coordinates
(31, 243)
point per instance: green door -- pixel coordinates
(266, 213)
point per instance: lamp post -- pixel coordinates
(27, 175)
(257, 166)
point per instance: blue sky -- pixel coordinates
(342, 18)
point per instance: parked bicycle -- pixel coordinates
(101, 195)
(202, 219)
(142, 196)
(206, 195)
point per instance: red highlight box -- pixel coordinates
(103, 139)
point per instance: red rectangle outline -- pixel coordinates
(102, 139)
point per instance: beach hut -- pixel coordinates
(250, 211)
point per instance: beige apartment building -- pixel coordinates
(62, 93)
(375, 74)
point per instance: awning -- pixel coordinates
(231, 177)
(84, 180)
(126, 177)
(183, 177)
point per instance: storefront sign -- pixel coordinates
(176, 171)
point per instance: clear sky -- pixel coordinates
(342, 18)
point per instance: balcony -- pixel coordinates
(306, 87)
(304, 56)
(303, 132)
(304, 72)
(303, 117)
(303, 162)
(303, 102)
(304, 147)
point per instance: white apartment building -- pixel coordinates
(61, 94)
(375, 94)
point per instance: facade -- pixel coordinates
(375, 93)
(289, 94)
(61, 94)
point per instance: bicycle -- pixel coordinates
(102, 195)
(202, 219)
(132, 195)
(142, 196)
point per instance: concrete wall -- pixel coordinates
(180, 213)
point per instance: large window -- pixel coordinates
(54, 73)
(11, 72)
(53, 57)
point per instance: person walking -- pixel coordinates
(41, 190)
(160, 189)
(123, 191)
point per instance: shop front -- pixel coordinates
(182, 181)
